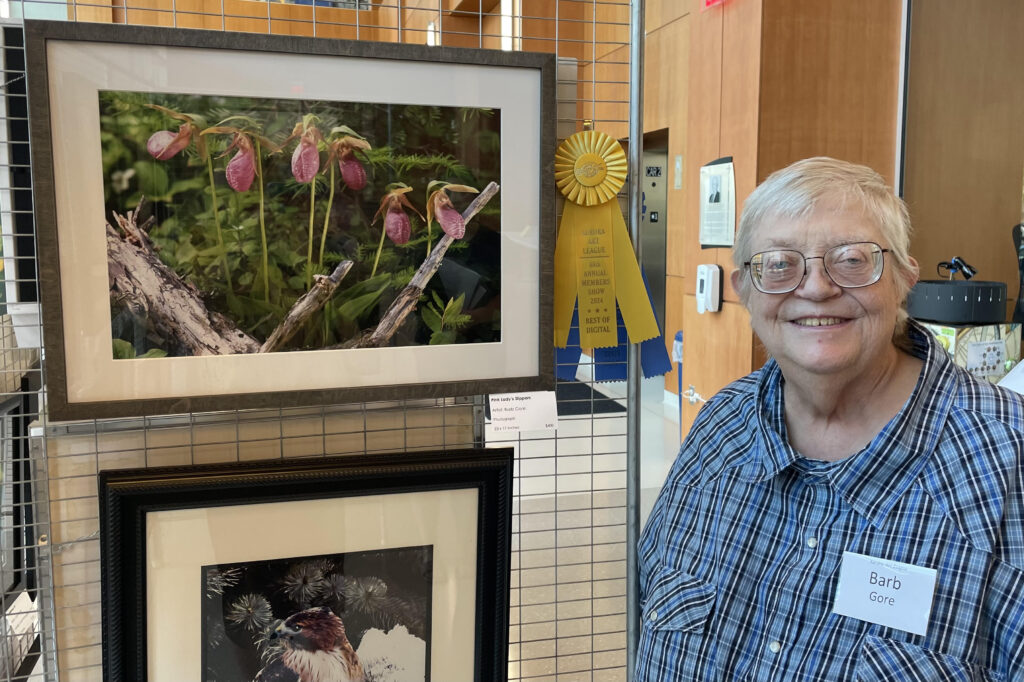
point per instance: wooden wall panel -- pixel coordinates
(660, 13)
(98, 12)
(604, 92)
(666, 95)
(246, 16)
(612, 26)
(722, 114)
(703, 128)
(965, 135)
(717, 348)
(562, 25)
(740, 118)
(470, 6)
(665, 89)
(471, 30)
(830, 78)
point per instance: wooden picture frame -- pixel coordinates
(176, 539)
(449, 339)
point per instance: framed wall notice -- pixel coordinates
(717, 204)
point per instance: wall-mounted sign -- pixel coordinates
(717, 203)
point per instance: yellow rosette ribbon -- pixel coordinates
(594, 259)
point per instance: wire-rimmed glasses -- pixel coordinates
(850, 266)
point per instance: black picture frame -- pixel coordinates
(18, 530)
(136, 503)
(17, 413)
(86, 382)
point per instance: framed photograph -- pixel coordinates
(385, 568)
(236, 221)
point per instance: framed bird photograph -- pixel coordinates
(231, 221)
(367, 568)
(367, 612)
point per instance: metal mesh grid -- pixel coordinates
(21, 532)
(569, 544)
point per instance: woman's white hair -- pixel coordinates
(796, 190)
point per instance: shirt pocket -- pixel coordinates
(886, 660)
(677, 601)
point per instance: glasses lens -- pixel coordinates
(777, 271)
(854, 265)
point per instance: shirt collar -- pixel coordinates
(873, 480)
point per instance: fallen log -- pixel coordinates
(173, 306)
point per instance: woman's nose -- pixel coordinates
(816, 282)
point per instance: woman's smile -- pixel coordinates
(819, 321)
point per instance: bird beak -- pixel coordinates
(276, 632)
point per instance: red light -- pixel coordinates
(712, 3)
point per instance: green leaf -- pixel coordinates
(123, 350)
(376, 283)
(353, 309)
(215, 251)
(185, 252)
(191, 184)
(454, 307)
(153, 180)
(431, 318)
(442, 338)
(154, 353)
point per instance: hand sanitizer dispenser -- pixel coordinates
(709, 288)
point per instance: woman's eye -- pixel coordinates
(851, 256)
(779, 266)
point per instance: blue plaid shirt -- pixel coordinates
(740, 559)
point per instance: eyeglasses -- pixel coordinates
(848, 265)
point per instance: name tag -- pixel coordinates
(888, 593)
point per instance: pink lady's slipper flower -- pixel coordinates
(241, 169)
(439, 207)
(397, 225)
(344, 145)
(352, 171)
(306, 157)
(164, 144)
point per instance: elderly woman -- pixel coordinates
(854, 510)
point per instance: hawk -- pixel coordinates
(314, 648)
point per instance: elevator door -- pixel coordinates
(652, 225)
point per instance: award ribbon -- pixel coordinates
(594, 258)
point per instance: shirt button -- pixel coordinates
(654, 616)
(812, 542)
(775, 647)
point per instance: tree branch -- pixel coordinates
(310, 302)
(408, 297)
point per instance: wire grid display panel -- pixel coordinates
(21, 532)
(568, 618)
(76, 452)
(568, 601)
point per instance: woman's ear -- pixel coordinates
(915, 272)
(736, 279)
